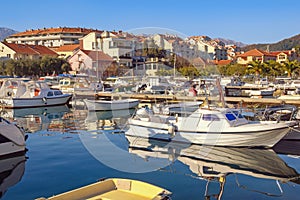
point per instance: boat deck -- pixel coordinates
(116, 194)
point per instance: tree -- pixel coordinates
(255, 67)
(290, 67)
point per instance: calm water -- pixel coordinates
(68, 148)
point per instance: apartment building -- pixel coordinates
(50, 37)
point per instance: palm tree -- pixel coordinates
(290, 67)
(255, 67)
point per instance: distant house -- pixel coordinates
(255, 55)
(66, 51)
(90, 62)
(284, 56)
(24, 51)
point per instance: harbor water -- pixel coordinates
(71, 147)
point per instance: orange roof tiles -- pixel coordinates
(223, 62)
(55, 30)
(68, 47)
(30, 49)
(255, 52)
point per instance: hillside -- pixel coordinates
(4, 32)
(285, 44)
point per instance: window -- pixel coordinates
(230, 116)
(210, 117)
(50, 94)
(57, 93)
(8, 55)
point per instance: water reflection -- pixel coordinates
(107, 120)
(215, 164)
(11, 171)
(37, 119)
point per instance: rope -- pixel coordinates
(293, 129)
(261, 192)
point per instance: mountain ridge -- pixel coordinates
(5, 32)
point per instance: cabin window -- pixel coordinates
(230, 116)
(238, 114)
(210, 117)
(57, 93)
(50, 94)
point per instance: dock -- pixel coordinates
(151, 98)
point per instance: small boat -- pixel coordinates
(111, 104)
(33, 94)
(209, 126)
(12, 138)
(115, 188)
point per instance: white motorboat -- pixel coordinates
(176, 108)
(12, 138)
(101, 105)
(33, 94)
(209, 126)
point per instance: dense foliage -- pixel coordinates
(256, 68)
(39, 67)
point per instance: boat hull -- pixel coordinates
(258, 138)
(36, 102)
(115, 189)
(102, 105)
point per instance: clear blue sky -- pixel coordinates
(248, 21)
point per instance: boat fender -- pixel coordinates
(44, 100)
(171, 130)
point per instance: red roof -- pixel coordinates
(255, 52)
(45, 31)
(97, 55)
(68, 47)
(30, 49)
(223, 62)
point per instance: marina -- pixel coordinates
(71, 147)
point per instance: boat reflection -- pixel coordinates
(214, 164)
(106, 120)
(11, 171)
(37, 119)
(288, 147)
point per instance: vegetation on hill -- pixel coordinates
(286, 44)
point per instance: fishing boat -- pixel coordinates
(115, 188)
(208, 126)
(12, 138)
(32, 94)
(101, 105)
